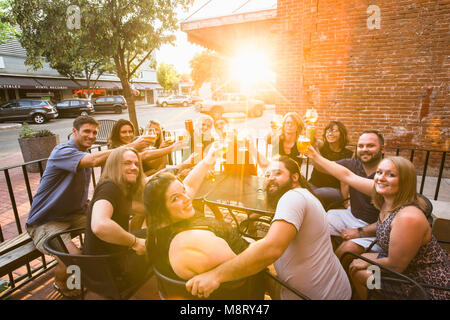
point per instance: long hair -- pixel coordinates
(343, 135)
(407, 181)
(114, 136)
(297, 120)
(113, 171)
(160, 137)
(293, 167)
(154, 198)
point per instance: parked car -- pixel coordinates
(110, 103)
(174, 100)
(36, 110)
(195, 99)
(74, 107)
(232, 102)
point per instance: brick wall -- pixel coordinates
(394, 78)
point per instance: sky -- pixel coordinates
(182, 51)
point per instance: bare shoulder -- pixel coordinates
(410, 215)
(195, 251)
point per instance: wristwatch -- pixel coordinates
(360, 230)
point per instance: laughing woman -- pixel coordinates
(402, 229)
(181, 243)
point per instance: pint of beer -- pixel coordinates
(303, 143)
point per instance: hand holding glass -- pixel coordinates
(303, 142)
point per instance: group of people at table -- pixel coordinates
(144, 207)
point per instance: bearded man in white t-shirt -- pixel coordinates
(297, 243)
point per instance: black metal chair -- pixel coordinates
(388, 276)
(104, 129)
(97, 271)
(250, 288)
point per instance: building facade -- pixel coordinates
(18, 80)
(379, 64)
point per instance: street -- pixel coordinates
(170, 118)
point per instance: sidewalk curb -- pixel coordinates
(6, 126)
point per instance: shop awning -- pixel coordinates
(227, 34)
(147, 86)
(56, 84)
(18, 83)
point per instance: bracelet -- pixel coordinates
(134, 242)
(360, 230)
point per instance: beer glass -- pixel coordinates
(303, 142)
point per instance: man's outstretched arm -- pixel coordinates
(255, 258)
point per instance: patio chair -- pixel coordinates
(250, 288)
(105, 283)
(388, 275)
(104, 130)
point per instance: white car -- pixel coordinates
(174, 100)
(232, 102)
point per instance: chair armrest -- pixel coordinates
(399, 277)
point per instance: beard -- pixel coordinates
(274, 196)
(373, 160)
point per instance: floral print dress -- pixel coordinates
(429, 266)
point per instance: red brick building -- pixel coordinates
(378, 64)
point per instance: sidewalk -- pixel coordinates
(10, 125)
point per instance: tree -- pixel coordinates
(126, 31)
(49, 34)
(208, 66)
(167, 76)
(7, 30)
(129, 31)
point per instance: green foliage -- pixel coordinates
(7, 30)
(44, 133)
(167, 76)
(122, 31)
(208, 66)
(26, 131)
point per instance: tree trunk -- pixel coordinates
(122, 74)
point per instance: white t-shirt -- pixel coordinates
(309, 263)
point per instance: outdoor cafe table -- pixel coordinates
(239, 192)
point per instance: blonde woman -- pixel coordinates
(402, 230)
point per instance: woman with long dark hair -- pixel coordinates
(333, 148)
(180, 242)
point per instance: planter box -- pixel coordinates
(37, 148)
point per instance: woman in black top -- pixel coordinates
(181, 243)
(333, 148)
(284, 144)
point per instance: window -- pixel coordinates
(74, 103)
(9, 105)
(25, 103)
(63, 104)
(100, 100)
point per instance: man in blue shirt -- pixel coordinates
(61, 200)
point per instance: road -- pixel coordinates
(170, 117)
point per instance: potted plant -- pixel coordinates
(36, 145)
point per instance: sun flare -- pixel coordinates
(251, 66)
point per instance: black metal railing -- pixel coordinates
(18, 279)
